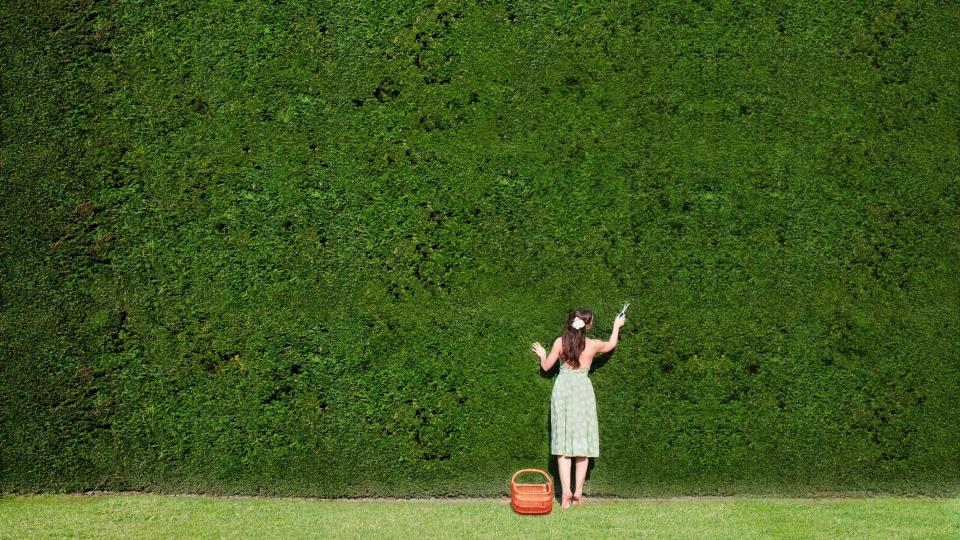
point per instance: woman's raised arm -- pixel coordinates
(607, 346)
(548, 360)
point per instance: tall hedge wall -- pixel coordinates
(292, 248)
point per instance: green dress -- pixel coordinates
(573, 414)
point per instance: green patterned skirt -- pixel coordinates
(573, 415)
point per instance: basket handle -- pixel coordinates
(513, 480)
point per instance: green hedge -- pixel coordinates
(289, 249)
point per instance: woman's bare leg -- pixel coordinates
(581, 475)
(563, 464)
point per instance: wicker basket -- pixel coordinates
(534, 499)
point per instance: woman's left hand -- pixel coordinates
(538, 348)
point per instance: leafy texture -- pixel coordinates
(302, 249)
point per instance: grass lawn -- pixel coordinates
(135, 515)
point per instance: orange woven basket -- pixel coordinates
(534, 499)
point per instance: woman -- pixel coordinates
(573, 406)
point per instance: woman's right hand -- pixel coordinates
(618, 322)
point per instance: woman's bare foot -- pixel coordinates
(578, 499)
(565, 501)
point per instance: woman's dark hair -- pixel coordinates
(575, 340)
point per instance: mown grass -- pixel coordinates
(197, 516)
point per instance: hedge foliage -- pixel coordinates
(284, 248)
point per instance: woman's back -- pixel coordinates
(573, 411)
(586, 357)
(574, 429)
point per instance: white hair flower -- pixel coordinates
(578, 323)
